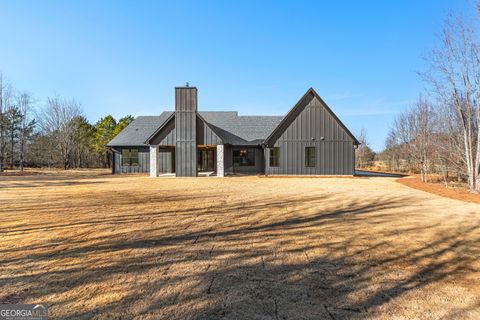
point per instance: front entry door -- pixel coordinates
(206, 160)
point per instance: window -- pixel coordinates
(309, 156)
(244, 157)
(129, 157)
(275, 157)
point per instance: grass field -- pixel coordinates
(93, 245)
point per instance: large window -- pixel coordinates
(129, 157)
(275, 157)
(310, 156)
(244, 157)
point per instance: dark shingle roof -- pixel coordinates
(139, 130)
(232, 128)
(241, 130)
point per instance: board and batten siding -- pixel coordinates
(186, 131)
(167, 160)
(315, 127)
(143, 159)
(228, 159)
(204, 135)
(166, 136)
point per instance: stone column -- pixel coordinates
(220, 160)
(154, 161)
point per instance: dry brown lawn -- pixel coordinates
(93, 245)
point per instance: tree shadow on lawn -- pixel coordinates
(236, 261)
(119, 199)
(44, 184)
(55, 179)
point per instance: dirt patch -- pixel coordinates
(440, 189)
(96, 246)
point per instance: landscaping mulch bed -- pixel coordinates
(457, 193)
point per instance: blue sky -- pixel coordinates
(256, 57)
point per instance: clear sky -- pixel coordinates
(256, 57)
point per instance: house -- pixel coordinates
(309, 140)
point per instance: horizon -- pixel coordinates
(126, 58)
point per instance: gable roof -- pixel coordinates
(241, 130)
(138, 130)
(228, 125)
(295, 111)
(170, 117)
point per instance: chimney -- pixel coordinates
(185, 131)
(186, 98)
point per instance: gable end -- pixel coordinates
(166, 135)
(296, 111)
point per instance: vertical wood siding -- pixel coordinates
(167, 158)
(185, 130)
(143, 159)
(228, 159)
(166, 137)
(205, 135)
(334, 153)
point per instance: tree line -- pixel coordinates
(440, 133)
(56, 134)
(364, 155)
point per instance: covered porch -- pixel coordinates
(209, 160)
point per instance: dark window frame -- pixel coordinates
(310, 157)
(274, 157)
(130, 157)
(244, 157)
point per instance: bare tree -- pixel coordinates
(363, 154)
(27, 124)
(391, 154)
(14, 120)
(411, 138)
(56, 120)
(360, 151)
(399, 141)
(6, 96)
(63, 138)
(420, 125)
(448, 143)
(455, 77)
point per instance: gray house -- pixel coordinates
(309, 140)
